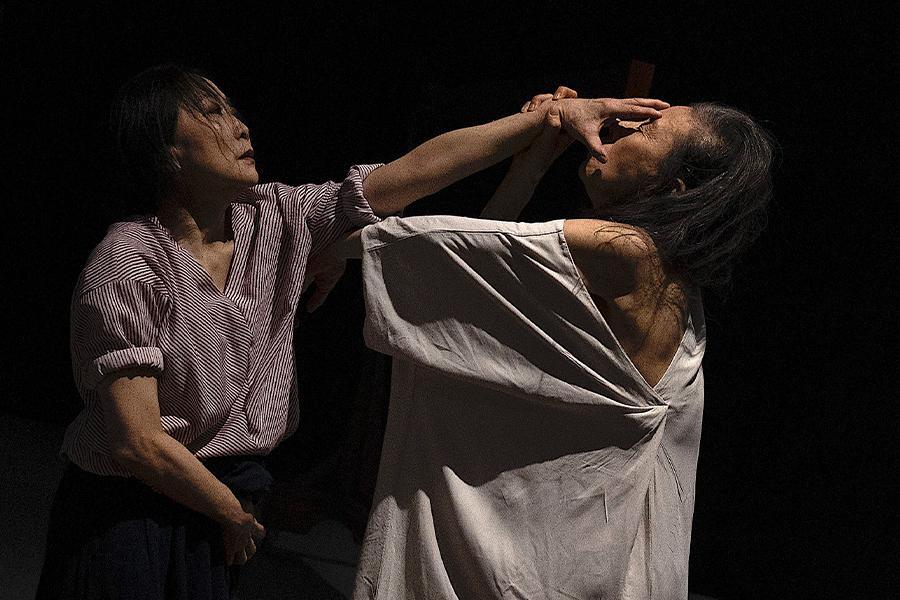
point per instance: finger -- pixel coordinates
(588, 133)
(525, 107)
(250, 549)
(595, 146)
(259, 531)
(538, 100)
(648, 102)
(240, 558)
(553, 117)
(564, 92)
(634, 112)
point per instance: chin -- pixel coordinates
(249, 178)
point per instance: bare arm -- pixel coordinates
(446, 159)
(138, 442)
(514, 192)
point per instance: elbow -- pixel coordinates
(376, 194)
(393, 187)
(138, 453)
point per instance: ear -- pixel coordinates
(678, 186)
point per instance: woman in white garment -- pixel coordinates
(547, 390)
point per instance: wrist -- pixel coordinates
(231, 512)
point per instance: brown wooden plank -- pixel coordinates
(640, 79)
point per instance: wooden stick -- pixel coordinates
(640, 78)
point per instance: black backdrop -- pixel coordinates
(793, 497)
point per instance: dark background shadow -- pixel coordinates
(792, 495)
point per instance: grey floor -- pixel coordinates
(317, 565)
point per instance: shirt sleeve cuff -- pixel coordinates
(351, 200)
(96, 370)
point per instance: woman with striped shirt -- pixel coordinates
(182, 332)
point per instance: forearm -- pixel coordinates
(513, 193)
(167, 466)
(448, 158)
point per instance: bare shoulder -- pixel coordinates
(614, 259)
(619, 239)
(643, 303)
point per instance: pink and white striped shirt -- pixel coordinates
(224, 361)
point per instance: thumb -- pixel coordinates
(586, 132)
(260, 531)
(553, 117)
(595, 146)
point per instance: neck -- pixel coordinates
(196, 218)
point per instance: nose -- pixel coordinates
(241, 131)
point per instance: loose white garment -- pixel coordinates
(525, 456)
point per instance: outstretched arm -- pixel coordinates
(447, 158)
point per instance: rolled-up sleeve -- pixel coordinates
(335, 208)
(116, 327)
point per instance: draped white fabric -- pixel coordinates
(525, 456)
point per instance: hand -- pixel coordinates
(561, 92)
(552, 141)
(583, 119)
(325, 270)
(240, 537)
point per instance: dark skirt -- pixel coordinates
(116, 538)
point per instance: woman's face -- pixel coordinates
(633, 155)
(213, 149)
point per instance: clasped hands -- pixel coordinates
(569, 118)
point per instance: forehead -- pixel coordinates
(675, 119)
(199, 93)
(217, 94)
